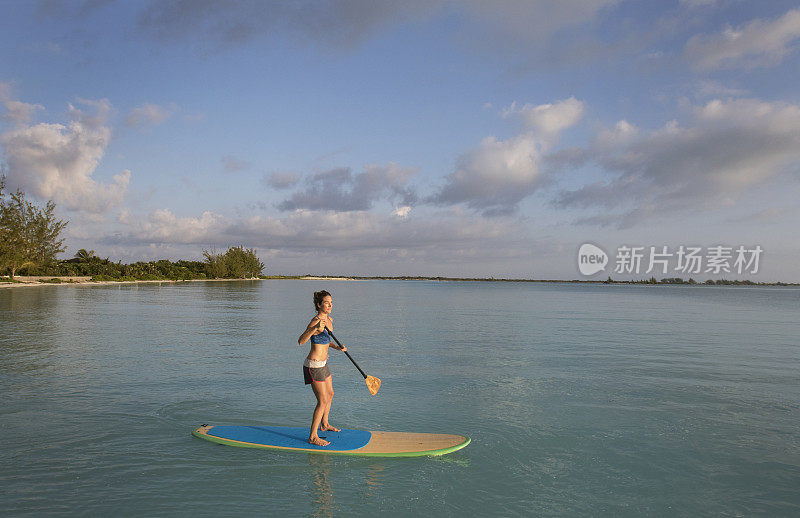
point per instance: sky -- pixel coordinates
(438, 137)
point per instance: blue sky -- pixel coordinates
(463, 138)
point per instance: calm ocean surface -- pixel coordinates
(579, 399)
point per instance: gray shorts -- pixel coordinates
(319, 374)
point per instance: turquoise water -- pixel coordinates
(579, 399)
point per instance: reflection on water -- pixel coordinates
(325, 468)
(322, 496)
(374, 477)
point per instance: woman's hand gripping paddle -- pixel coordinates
(373, 383)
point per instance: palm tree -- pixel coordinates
(84, 254)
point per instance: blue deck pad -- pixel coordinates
(292, 437)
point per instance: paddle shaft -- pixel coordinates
(347, 353)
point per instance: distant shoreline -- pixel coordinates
(670, 282)
(27, 282)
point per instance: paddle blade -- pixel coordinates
(373, 384)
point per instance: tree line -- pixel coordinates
(236, 263)
(29, 235)
(691, 281)
(30, 240)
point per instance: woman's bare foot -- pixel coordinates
(329, 428)
(317, 441)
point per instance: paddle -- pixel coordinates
(373, 383)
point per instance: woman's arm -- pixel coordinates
(316, 326)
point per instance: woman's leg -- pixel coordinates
(323, 402)
(325, 424)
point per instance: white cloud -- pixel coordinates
(319, 230)
(57, 161)
(340, 190)
(546, 121)
(708, 88)
(150, 114)
(495, 176)
(19, 112)
(402, 212)
(725, 149)
(95, 120)
(498, 174)
(760, 43)
(622, 132)
(162, 226)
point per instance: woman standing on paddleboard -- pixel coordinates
(315, 367)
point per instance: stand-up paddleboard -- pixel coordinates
(346, 442)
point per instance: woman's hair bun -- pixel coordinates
(318, 296)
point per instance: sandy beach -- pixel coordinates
(314, 278)
(28, 282)
(33, 281)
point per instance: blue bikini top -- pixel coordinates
(323, 338)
